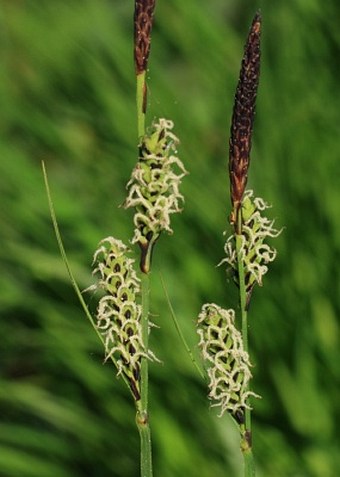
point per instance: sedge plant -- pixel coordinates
(153, 193)
(223, 332)
(121, 320)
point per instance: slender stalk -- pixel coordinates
(249, 466)
(246, 436)
(145, 336)
(146, 457)
(142, 417)
(141, 106)
(142, 406)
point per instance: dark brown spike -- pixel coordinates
(143, 19)
(243, 116)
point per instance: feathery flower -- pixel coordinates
(118, 314)
(153, 189)
(255, 253)
(228, 363)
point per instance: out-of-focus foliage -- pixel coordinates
(67, 96)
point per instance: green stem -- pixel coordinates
(145, 337)
(249, 466)
(141, 103)
(145, 449)
(142, 418)
(246, 437)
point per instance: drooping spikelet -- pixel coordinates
(143, 19)
(118, 313)
(153, 189)
(228, 364)
(243, 116)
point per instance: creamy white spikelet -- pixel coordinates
(255, 253)
(228, 365)
(119, 313)
(153, 189)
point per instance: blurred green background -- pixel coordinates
(67, 93)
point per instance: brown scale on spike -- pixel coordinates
(143, 18)
(243, 117)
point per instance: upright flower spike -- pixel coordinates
(153, 189)
(118, 313)
(243, 118)
(227, 362)
(143, 21)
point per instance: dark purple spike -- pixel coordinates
(143, 19)
(243, 116)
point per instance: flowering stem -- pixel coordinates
(142, 407)
(249, 467)
(145, 336)
(141, 103)
(246, 438)
(145, 439)
(142, 418)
